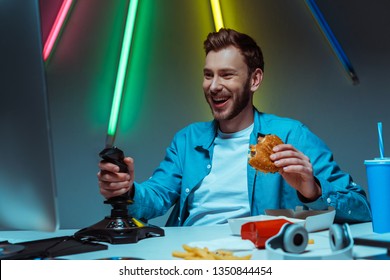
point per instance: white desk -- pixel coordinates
(161, 248)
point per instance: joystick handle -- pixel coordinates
(120, 202)
(115, 156)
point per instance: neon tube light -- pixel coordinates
(217, 14)
(121, 74)
(336, 47)
(55, 30)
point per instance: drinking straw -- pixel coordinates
(381, 148)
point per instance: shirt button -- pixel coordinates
(328, 200)
(208, 166)
(187, 190)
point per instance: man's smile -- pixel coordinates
(219, 102)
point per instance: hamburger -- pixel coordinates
(259, 155)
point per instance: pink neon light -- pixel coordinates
(55, 30)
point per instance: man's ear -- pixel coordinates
(256, 79)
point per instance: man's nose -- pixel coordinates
(215, 85)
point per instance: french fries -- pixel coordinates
(195, 253)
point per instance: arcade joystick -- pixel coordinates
(119, 227)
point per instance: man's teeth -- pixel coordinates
(219, 100)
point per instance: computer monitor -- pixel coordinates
(27, 181)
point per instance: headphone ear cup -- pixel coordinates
(338, 237)
(295, 239)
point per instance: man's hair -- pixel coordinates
(248, 47)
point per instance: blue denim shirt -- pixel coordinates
(188, 161)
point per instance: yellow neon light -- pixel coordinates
(217, 14)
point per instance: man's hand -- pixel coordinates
(297, 170)
(112, 182)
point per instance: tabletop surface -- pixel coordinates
(161, 248)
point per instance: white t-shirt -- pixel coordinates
(223, 194)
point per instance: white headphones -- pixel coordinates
(292, 240)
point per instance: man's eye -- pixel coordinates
(227, 75)
(208, 76)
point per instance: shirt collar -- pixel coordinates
(207, 137)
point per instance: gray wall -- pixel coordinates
(303, 80)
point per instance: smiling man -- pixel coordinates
(205, 174)
(229, 86)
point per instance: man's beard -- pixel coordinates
(239, 104)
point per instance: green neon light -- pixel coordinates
(123, 61)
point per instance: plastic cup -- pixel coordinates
(378, 180)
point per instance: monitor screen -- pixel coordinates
(27, 189)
